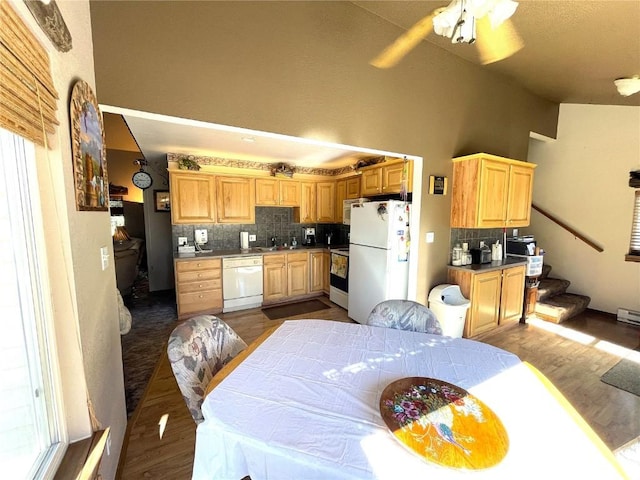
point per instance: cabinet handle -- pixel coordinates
(199, 286)
(198, 265)
(199, 296)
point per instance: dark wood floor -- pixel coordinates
(573, 355)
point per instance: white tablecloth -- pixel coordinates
(305, 405)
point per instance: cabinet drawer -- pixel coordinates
(274, 259)
(297, 257)
(198, 301)
(185, 277)
(215, 284)
(196, 265)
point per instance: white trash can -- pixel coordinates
(450, 308)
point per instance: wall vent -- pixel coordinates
(628, 316)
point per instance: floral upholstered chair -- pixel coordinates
(404, 315)
(197, 349)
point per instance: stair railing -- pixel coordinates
(569, 229)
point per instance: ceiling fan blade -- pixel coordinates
(496, 44)
(404, 43)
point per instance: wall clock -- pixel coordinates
(142, 179)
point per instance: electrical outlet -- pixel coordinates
(252, 238)
(200, 236)
(431, 236)
(515, 232)
(182, 241)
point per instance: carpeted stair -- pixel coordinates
(554, 303)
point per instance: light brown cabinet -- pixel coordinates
(277, 192)
(385, 178)
(236, 199)
(341, 196)
(491, 192)
(198, 286)
(192, 198)
(353, 187)
(285, 275)
(496, 296)
(326, 195)
(326, 272)
(308, 203)
(317, 271)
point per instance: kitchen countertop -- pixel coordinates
(255, 251)
(494, 265)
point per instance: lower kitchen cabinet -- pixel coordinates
(326, 273)
(496, 296)
(198, 286)
(286, 275)
(319, 272)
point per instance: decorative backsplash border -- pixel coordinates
(248, 164)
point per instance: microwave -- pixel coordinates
(346, 209)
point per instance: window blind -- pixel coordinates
(27, 97)
(634, 247)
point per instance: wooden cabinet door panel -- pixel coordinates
(192, 198)
(298, 278)
(326, 194)
(371, 182)
(353, 187)
(267, 191)
(289, 193)
(326, 271)
(308, 203)
(236, 199)
(520, 193)
(316, 272)
(512, 293)
(274, 278)
(485, 302)
(341, 196)
(492, 207)
(392, 178)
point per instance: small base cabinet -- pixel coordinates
(496, 296)
(198, 286)
(285, 275)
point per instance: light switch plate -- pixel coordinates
(431, 236)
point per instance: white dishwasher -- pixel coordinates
(241, 283)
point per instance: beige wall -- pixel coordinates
(582, 178)
(301, 68)
(83, 295)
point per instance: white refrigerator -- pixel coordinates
(378, 255)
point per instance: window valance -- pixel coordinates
(27, 96)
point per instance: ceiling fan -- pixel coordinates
(496, 37)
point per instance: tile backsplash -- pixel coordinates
(270, 222)
(473, 236)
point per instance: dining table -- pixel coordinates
(315, 399)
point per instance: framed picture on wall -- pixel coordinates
(162, 200)
(89, 150)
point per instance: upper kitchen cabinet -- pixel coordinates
(353, 188)
(385, 178)
(491, 192)
(326, 194)
(307, 213)
(236, 199)
(192, 198)
(277, 192)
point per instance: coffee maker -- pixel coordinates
(309, 236)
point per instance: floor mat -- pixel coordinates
(624, 375)
(293, 309)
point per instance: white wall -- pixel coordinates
(582, 178)
(83, 296)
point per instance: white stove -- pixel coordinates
(339, 277)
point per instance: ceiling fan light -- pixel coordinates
(444, 23)
(627, 86)
(501, 11)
